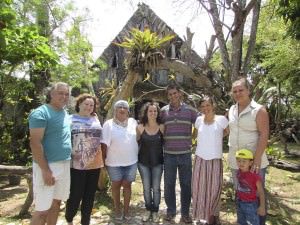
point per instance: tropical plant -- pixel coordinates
(278, 57)
(28, 61)
(145, 48)
(22, 51)
(144, 52)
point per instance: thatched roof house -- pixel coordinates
(114, 56)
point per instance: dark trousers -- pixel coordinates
(182, 163)
(83, 188)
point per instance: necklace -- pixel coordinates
(122, 124)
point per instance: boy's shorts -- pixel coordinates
(118, 173)
(43, 194)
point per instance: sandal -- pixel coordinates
(127, 217)
(186, 219)
(119, 217)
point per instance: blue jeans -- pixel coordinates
(182, 162)
(262, 173)
(151, 177)
(247, 213)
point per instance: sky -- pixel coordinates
(106, 18)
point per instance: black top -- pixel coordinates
(151, 149)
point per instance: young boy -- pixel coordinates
(249, 188)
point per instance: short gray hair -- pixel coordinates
(53, 87)
(121, 103)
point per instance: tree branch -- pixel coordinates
(185, 70)
(252, 38)
(209, 11)
(220, 36)
(210, 49)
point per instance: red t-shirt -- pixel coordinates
(246, 190)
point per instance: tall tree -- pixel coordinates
(78, 67)
(290, 12)
(234, 61)
(277, 60)
(22, 50)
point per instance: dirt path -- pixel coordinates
(137, 210)
(13, 197)
(283, 194)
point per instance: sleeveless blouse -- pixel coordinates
(244, 132)
(151, 149)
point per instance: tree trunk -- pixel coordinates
(252, 37)
(29, 198)
(218, 27)
(40, 78)
(237, 39)
(278, 109)
(232, 65)
(281, 164)
(236, 56)
(125, 90)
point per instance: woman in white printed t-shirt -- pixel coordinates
(120, 151)
(208, 167)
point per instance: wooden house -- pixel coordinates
(114, 56)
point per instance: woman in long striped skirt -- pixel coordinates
(208, 167)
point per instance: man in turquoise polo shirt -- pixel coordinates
(50, 142)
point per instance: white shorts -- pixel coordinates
(43, 194)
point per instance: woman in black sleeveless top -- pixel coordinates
(150, 158)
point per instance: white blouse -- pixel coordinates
(210, 137)
(122, 147)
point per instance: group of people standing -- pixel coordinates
(159, 144)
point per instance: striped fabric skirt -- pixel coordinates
(206, 188)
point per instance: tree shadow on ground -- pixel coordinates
(281, 213)
(8, 191)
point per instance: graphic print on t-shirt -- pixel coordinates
(244, 186)
(85, 141)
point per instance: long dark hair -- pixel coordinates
(144, 117)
